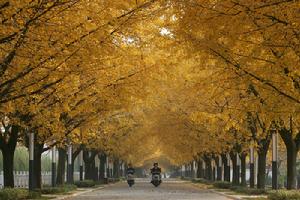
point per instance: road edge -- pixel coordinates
(225, 195)
(64, 197)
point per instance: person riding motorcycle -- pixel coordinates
(130, 175)
(130, 169)
(156, 170)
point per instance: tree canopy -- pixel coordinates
(147, 78)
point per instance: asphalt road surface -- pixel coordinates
(143, 190)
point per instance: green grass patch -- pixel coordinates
(61, 189)
(248, 191)
(202, 180)
(18, 194)
(284, 195)
(222, 184)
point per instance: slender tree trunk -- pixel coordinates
(208, 170)
(122, 169)
(89, 169)
(74, 156)
(96, 175)
(8, 167)
(235, 180)
(261, 172)
(89, 162)
(8, 143)
(226, 168)
(102, 169)
(186, 170)
(93, 170)
(292, 148)
(116, 168)
(200, 169)
(291, 167)
(61, 166)
(38, 150)
(219, 169)
(243, 169)
(192, 170)
(72, 172)
(213, 173)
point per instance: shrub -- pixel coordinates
(284, 195)
(222, 184)
(13, 194)
(18, 194)
(69, 187)
(249, 191)
(34, 195)
(185, 178)
(58, 189)
(52, 190)
(201, 180)
(85, 183)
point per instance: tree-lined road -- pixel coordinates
(143, 190)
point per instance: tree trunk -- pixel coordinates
(200, 169)
(93, 170)
(38, 150)
(8, 167)
(122, 169)
(291, 166)
(116, 168)
(243, 169)
(89, 169)
(74, 156)
(235, 180)
(61, 166)
(218, 169)
(192, 170)
(8, 147)
(89, 162)
(208, 170)
(226, 168)
(102, 169)
(261, 171)
(186, 170)
(213, 173)
(292, 148)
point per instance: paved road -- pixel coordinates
(143, 190)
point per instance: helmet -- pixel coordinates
(155, 164)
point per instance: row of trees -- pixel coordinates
(21, 160)
(65, 77)
(242, 86)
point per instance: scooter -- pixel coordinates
(156, 180)
(130, 180)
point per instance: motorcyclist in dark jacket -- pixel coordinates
(130, 175)
(130, 170)
(156, 170)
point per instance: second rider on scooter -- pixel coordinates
(130, 175)
(156, 175)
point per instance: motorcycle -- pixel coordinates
(156, 180)
(130, 180)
